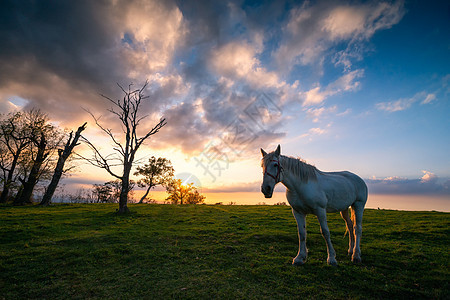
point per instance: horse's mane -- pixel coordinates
(297, 166)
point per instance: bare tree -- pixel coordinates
(125, 148)
(63, 155)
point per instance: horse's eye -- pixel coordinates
(276, 165)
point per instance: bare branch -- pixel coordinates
(123, 90)
(99, 160)
(154, 130)
(107, 131)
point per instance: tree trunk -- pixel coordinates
(54, 183)
(29, 185)
(181, 197)
(8, 182)
(145, 195)
(123, 199)
(63, 155)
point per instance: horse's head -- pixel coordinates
(272, 171)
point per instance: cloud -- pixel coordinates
(207, 62)
(313, 29)
(184, 121)
(428, 184)
(237, 61)
(429, 98)
(428, 177)
(62, 55)
(394, 106)
(315, 131)
(345, 83)
(315, 96)
(317, 113)
(236, 188)
(405, 103)
(361, 21)
(7, 106)
(151, 32)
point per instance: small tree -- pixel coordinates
(102, 192)
(158, 171)
(182, 193)
(127, 111)
(109, 192)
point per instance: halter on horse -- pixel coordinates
(276, 177)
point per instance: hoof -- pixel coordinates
(332, 262)
(298, 261)
(356, 260)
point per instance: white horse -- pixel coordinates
(311, 191)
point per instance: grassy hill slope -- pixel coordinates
(166, 251)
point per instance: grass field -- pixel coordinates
(203, 251)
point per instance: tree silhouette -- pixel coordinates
(37, 159)
(158, 171)
(127, 111)
(109, 192)
(14, 140)
(27, 143)
(63, 155)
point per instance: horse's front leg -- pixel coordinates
(300, 259)
(322, 217)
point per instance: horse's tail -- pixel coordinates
(353, 217)
(352, 220)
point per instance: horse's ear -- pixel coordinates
(264, 153)
(278, 151)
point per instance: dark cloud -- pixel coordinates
(398, 186)
(63, 54)
(66, 39)
(187, 129)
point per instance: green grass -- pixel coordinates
(202, 252)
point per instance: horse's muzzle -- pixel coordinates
(267, 191)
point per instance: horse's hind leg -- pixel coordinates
(322, 217)
(357, 215)
(351, 236)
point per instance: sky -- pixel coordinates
(345, 85)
